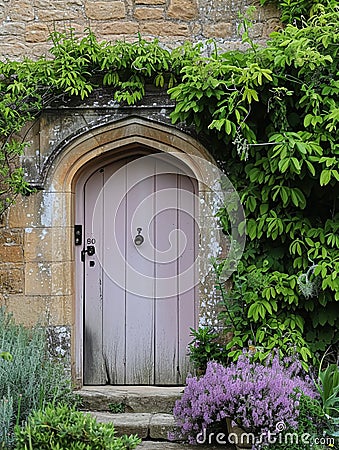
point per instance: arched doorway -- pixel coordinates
(77, 160)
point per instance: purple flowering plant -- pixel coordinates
(255, 395)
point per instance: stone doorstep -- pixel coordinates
(137, 399)
(152, 428)
(145, 425)
(149, 414)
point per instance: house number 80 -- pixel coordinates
(90, 241)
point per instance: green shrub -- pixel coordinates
(6, 420)
(328, 387)
(65, 428)
(29, 380)
(205, 347)
(309, 434)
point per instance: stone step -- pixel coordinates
(145, 425)
(134, 399)
(153, 429)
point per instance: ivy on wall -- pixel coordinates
(271, 116)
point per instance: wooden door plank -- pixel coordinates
(139, 275)
(166, 264)
(188, 271)
(114, 279)
(94, 367)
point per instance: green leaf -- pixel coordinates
(251, 225)
(310, 167)
(308, 120)
(264, 208)
(284, 193)
(284, 164)
(217, 124)
(251, 203)
(298, 198)
(228, 126)
(250, 94)
(325, 177)
(267, 306)
(296, 164)
(305, 353)
(253, 311)
(6, 356)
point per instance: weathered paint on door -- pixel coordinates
(139, 300)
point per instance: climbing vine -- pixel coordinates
(271, 118)
(275, 110)
(75, 69)
(297, 12)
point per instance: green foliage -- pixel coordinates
(76, 69)
(6, 356)
(289, 189)
(21, 98)
(204, 347)
(65, 428)
(298, 11)
(311, 425)
(28, 379)
(259, 323)
(327, 384)
(117, 407)
(328, 387)
(124, 67)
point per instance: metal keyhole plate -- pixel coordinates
(139, 239)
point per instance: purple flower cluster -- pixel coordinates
(255, 395)
(202, 402)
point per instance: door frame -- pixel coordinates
(65, 168)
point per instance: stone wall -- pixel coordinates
(26, 24)
(30, 289)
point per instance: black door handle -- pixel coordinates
(90, 250)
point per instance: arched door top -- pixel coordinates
(62, 169)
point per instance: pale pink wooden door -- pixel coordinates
(140, 300)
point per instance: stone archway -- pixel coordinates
(67, 167)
